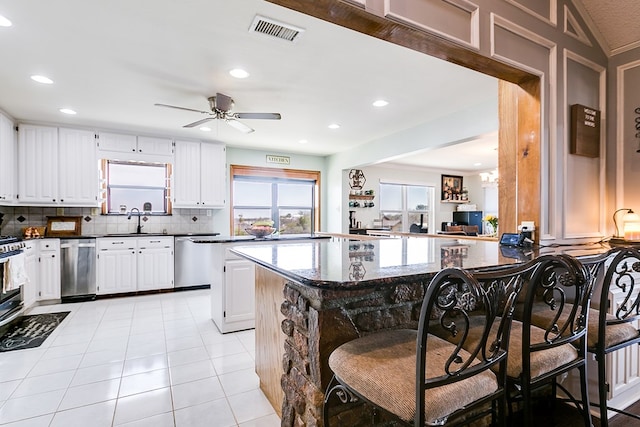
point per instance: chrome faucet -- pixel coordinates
(139, 229)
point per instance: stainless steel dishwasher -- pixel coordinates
(78, 269)
(191, 261)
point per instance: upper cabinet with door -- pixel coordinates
(57, 166)
(7, 161)
(131, 144)
(38, 164)
(79, 175)
(199, 175)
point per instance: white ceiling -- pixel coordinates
(112, 60)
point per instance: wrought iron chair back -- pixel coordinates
(613, 324)
(475, 315)
(550, 331)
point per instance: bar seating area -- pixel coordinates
(490, 344)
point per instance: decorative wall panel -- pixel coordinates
(456, 20)
(628, 137)
(544, 10)
(584, 178)
(573, 28)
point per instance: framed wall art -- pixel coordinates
(451, 188)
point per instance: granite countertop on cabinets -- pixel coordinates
(342, 264)
(249, 239)
(121, 235)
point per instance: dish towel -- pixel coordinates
(15, 273)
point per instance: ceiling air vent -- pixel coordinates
(276, 29)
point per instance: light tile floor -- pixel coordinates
(155, 360)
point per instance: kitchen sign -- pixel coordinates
(585, 131)
(281, 160)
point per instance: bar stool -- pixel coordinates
(612, 328)
(418, 377)
(549, 333)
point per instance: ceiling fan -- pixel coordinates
(221, 106)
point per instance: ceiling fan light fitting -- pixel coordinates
(239, 125)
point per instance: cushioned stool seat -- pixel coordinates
(542, 316)
(389, 384)
(541, 362)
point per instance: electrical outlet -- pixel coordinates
(94, 211)
(59, 211)
(208, 212)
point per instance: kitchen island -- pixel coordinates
(313, 296)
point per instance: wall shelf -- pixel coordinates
(362, 197)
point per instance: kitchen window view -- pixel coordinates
(403, 205)
(132, 184)
(289, 203)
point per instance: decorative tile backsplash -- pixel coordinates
(182, 221)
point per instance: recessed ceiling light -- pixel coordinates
(380, 103)
(303, 141)
(42, 79)
(477, 164)
(334, 126)
(239, 73)
(4, 22)
(67, 111)
(205, 129)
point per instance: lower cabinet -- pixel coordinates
(48, 285)
(133, 264)
(232, 290)
(116, 266)
(155, 263)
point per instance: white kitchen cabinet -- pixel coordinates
(131, 264)
(49, 270)
(8, 170)
(153, 145)
(37, 164)
(57, 167)
(232, 289)
(199, 175)
(155, 263)
(117, 142)
(29, 289)
(135, 144)
(79, 172)
(116, 265)
(240, 301)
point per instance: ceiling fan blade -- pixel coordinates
(239, 125)
(267, 116)
(182, 108)
(199, 122)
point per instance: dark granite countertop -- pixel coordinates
(345, 264)
(240, 239)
